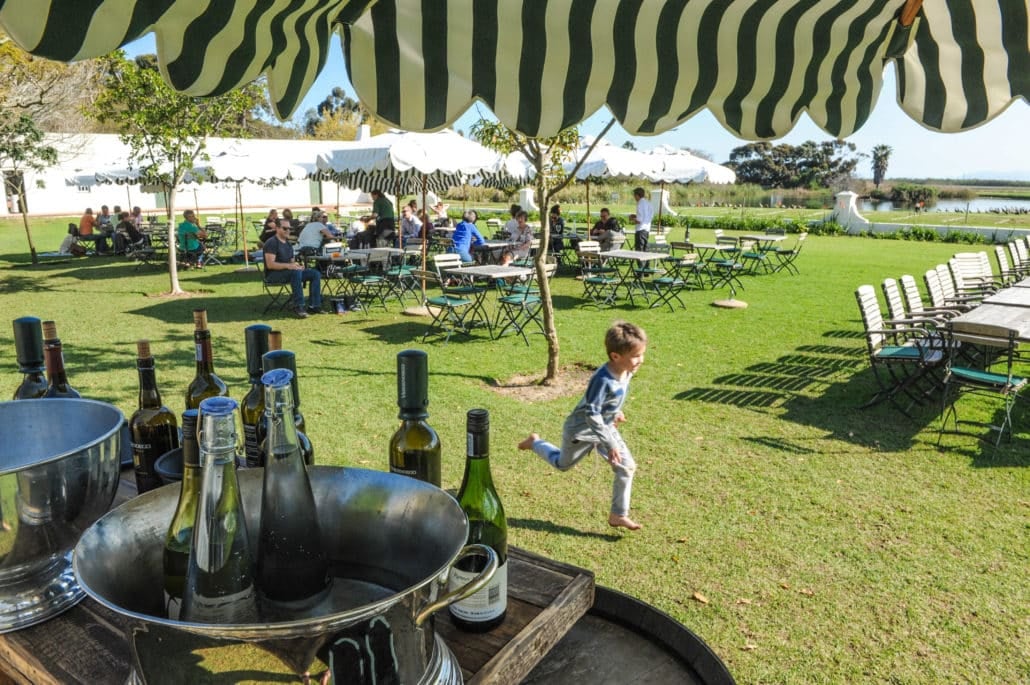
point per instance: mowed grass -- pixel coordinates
(804, 539)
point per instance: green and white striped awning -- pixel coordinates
(543, 65)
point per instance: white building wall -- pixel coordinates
(67, 188)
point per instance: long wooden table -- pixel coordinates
(88, 643)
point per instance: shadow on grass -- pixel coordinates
(24, 283)
(551, 527)
(412, 331)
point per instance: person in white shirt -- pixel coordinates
(411, 226)
(522, 237)
(512, 224)
(314, 233)
(644, 215)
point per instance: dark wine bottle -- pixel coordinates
(28, 348)
(206, 383)
(292, 570)
(284, 359)
(153, 427)
(219, 584)
(179, 537)
(252, 408)
(54, 354)
(415, 446)
(479, 500)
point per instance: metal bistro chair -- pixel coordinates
(964, 380)
(600, 282)
(786, 256)
(449, 311)
(463, 287)
(279, 294)
(519, 307)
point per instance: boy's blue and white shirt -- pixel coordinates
(594, 416)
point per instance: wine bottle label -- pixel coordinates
(252, 444)
(485, 605)
(173, 605)
(200, 352)
(404, 472)
(239, 607)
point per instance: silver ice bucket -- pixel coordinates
(391, 541)
(59, 470)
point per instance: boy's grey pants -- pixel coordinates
(577, 444)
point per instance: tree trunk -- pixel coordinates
(173, 262)
(550, 331)
(25, 220)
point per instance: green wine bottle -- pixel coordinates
(219, 584)
(153, 427)
(252, 408)
(487, 525)
(284, 359)
(54, 353)
(28, 348)
(292, 570)
(179, 537)
(415, 446)
(206, 383)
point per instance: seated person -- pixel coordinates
(466, 235)
(522, 236)
(314, 235)
(512, 223)
(607, 231)
(557, 228)
(269, 229)
(126, 234)
(440, 218)
(189, 234)
(90, 232)
(280, 267)
(105, 221)
(366, 238)
(294, 224)
(411, 226)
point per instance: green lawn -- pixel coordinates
(805, 540)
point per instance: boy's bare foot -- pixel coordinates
(527, 444)
(616, 521)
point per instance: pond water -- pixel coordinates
(978, 205)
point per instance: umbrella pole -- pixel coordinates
(588, 208)
(240, 226)
(421, 309)
(661, 201)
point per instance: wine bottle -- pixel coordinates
(252, 408)
(206, 383)
(415, 446)
(219, 584)
(28, 348)
(284, 359)
(292, 570)
(275, 340)
(54, 354)
(179, 537)
(153, 427)
(487, 525)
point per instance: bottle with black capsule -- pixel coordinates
(28, 349)
(206, 382)
(252, 408)
(153, 427)
(219, 584)
(415, 447)
(479, 500)
(54, 354)
(285, 359)
(292, 569)
(179, 537)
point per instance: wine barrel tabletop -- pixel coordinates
(557, 625)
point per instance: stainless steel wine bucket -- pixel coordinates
(391, 540)
(59, 464)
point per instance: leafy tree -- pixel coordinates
(338, 117)
(547, 156)
(881, 156)
(809, 165)
(22, 148)
(167, 131)
(629, 145)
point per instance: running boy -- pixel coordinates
(592, 424)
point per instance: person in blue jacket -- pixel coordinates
(466, 235)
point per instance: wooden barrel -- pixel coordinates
(624, 640)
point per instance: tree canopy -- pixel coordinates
(810, 165)
(22, 147)
(338, 117)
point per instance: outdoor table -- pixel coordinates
(625, 263)
(492, 273)
(87, 643)
(994, 321)
(765, 241)
(490, 251)
(1011, 297)
(725, 273)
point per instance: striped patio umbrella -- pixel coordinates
(544, 65)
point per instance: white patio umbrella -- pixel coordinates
(680, 166)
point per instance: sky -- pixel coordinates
(999, 149)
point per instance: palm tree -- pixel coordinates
(881, 156)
